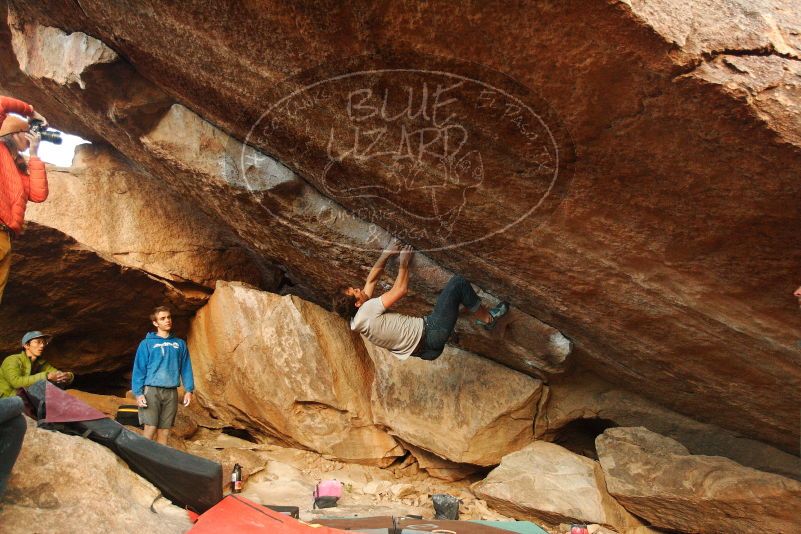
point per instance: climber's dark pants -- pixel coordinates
(12, 430)
(441, 322)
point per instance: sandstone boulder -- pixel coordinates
(128, 218)
(460, 407)
(284, 367)
(72, 485)
(281, 484)
(438, 467)
(330, 394)
(97, 310)
(549, 483)
(583, 398)
(659, 480)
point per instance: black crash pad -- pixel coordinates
(187, 480)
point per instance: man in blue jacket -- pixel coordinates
(161, 364)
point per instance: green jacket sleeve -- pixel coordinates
(47, 368)
(14, 376)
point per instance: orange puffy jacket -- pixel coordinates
(17, 187)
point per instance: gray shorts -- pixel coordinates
(162, 405)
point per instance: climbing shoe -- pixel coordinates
(496, 313)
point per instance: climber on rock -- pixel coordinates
(404, 336)
(20, 181)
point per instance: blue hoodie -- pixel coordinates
(162, 362)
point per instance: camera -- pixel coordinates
(51, 136)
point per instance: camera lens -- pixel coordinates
(52, 137)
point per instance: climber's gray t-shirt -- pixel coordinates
(396, 332)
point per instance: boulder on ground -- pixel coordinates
(549, 483)
(583, 396)
(461, 407)
(439, 467)
(281, 366)
(659, 480)
(69, 484)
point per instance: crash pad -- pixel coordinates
(405, 525)
(64, 408)
(50, 404)
(521, 527)
(187, 480)
(238, 515)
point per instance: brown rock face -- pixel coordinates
(584, 399)
(62, 288)
(664, 251)
(438, 467)
(129, 219)
(93, 491)
(460, 406)
(659, 480)
(284, 367)
(106, 248)
(547, 482)
(315, 224)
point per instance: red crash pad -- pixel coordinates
(237, 515)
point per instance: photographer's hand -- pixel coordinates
(38, 116)
(34, 140)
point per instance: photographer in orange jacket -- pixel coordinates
(20, 181)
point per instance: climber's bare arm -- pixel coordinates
(401, 285)
(378, 268)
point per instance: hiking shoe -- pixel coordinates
(496, 313)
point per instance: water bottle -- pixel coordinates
(236, 479)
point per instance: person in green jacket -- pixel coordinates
(26, 368)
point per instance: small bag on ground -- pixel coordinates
(327, 493)
(128, 414)
(445, 506)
